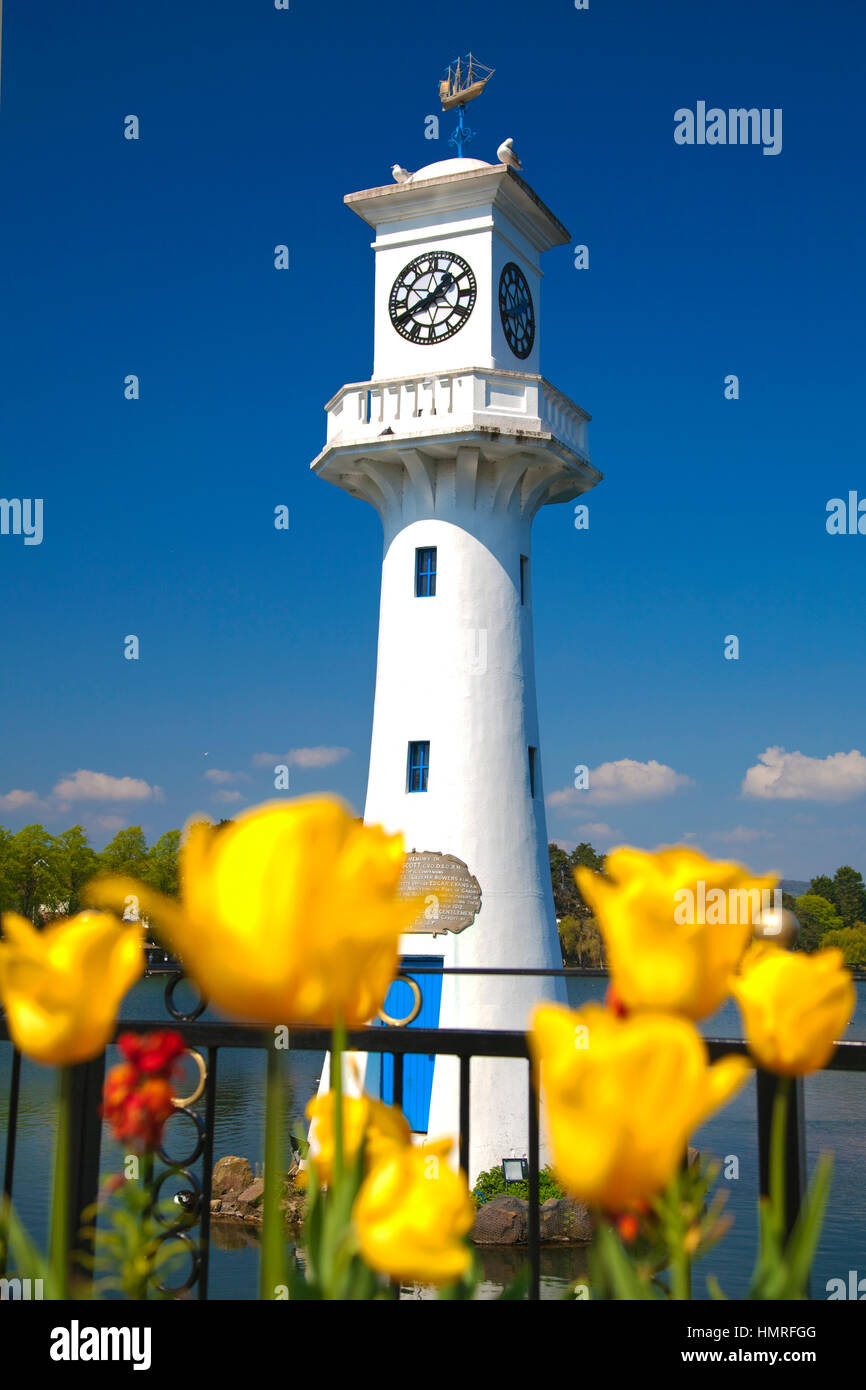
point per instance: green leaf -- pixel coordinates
(29, 1261)
(621, 1274)
(518, 1288)
(804, 1238)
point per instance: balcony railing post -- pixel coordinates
(795, 1142)
(398, 1079)
(464, 1114)
(11, 1136)
(85, 1142)
(534, 1215)
(12, 1126)
(207, 1170)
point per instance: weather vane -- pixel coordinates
(464, 80)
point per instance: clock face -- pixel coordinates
(432, 297)
(516, 311)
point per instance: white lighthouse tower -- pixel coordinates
(457, 440)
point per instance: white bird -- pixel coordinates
(506, 154)
(400, 174)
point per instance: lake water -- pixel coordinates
(835, 1111)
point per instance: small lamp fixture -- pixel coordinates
(514, 1170)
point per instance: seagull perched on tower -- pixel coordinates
(506, 154)
(400, 174)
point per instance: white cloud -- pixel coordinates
(111, 822)
(599, 828)
(621, 782)
(14, 800)
(591, 830)
(227, 797)
(302, 757)
(100, 786)
(782, 776)
(219, 775)
(739, 835)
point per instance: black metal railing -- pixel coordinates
(210, 1038)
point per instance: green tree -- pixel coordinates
(852, 943)
(816, 916)
(565, 895)
(823, 886)
(161, 869)
(30, 873)
(845, 890)
(126, 854)
(74, 862)
(849, 895)
(581, 941)
(585, 854)
(5, 870)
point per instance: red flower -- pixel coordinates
(152, 1053)
(137, 1097)
(628, 1228)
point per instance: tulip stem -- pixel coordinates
(681, 1272)
(338, 1046)
(139, 1266)
(334, 1226)
(60, 1203)
(681, 1264)
(778, 1131)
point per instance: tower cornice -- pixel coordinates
(495, 185)
(450, 475)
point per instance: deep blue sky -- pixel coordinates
(156, 257)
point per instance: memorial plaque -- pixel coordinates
(452, 897)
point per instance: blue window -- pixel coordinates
(425, 572)
(533, 752)
(419, 767)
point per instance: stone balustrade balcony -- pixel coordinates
(513, 403)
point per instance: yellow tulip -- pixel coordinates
(794, 1006)
(61, 987)
(658, 958)
(622, 1097)
(412, 1215)
(289, 914)
(383, 1127)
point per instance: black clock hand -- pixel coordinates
(444, 284)
(518, 309)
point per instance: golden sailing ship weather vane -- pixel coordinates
(464, 80)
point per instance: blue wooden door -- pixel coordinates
(417, 1071)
